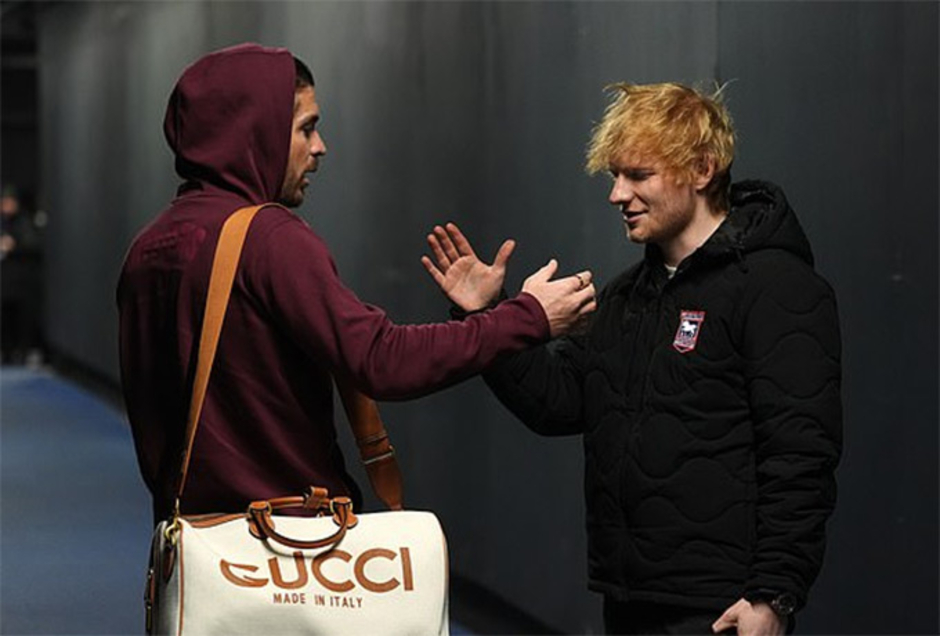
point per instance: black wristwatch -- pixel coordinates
(782, 603)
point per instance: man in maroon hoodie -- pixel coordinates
(242, 123)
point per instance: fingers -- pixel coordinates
(435, 273)
(505, 251)
(583, 279)
(578, 282)
(585, 300)
(446, 243)
(442, 260)
(585, 296)
(459, 240)
(588, 307)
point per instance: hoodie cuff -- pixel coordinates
(459, 313)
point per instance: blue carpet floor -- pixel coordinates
(74, 513)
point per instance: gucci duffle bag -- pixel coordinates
(256, 573)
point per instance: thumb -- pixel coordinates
(541, 275)
(725, 621)
(547, 271)
(505, 251)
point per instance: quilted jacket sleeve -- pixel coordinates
(543, 386)
(791, 345)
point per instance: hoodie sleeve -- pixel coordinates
(792, 357)
(295, 279)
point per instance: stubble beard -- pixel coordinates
(638, 236)
(669, 223)
(294, 196)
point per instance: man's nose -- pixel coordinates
(620, 192)
(318, 147)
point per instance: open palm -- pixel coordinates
(469, 282)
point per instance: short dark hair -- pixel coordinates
(303, 78)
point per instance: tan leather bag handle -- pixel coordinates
(259, 513)
(363, 414)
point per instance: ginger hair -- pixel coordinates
(669, 124)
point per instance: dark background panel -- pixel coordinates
(479, 113)
(842, 110)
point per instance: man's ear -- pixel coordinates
(704, 172)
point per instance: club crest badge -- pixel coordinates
(690, 326)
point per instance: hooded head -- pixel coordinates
(229, 120)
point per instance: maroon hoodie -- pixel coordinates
(267, 425)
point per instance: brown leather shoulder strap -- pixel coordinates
(375, 448)
(224, 265)
(376, 451)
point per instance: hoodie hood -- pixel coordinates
(229, 121)
(760, 218)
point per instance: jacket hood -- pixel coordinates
(229, 120)
(760, 218)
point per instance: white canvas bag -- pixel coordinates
(387, 575)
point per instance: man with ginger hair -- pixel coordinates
(706, 386)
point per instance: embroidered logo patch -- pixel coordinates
(690, 326)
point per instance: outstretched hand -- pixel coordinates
(472, 284)
(469, 282)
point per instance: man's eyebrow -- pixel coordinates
(633, 169)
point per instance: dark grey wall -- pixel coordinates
(479, 113)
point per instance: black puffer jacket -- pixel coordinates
(711, 414)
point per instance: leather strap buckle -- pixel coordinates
(172, 532)
(345, 502)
